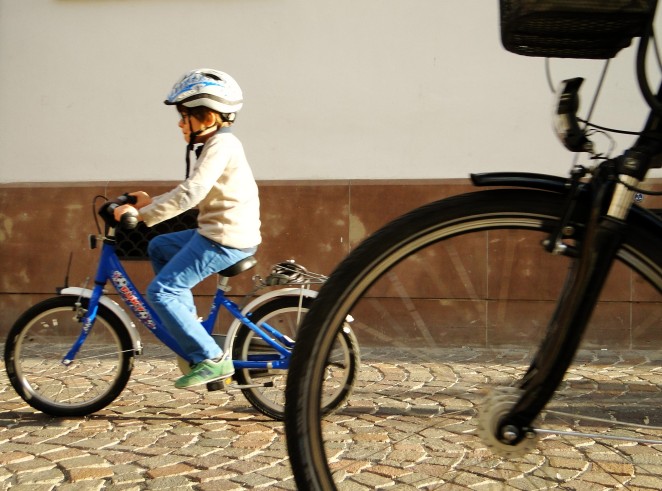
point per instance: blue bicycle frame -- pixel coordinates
(111, 269)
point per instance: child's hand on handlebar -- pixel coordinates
(142, 199)
(123, 209)
(137, 200)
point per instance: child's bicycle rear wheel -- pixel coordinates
(38, 343)
(265, 388)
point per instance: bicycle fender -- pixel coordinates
(545, 182)
(251, 306)
(644, 217)
(115, 308)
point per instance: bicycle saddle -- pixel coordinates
(243, 265)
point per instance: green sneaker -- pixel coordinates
(206, 371)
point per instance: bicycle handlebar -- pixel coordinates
(128, 220)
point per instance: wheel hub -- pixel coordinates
(496, 405)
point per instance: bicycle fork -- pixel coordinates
(603, 237)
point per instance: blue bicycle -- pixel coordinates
(72, 355)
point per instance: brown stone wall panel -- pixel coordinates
(609, 327)
(408, 322)
(307, 222)
(13, 306)
(647, 325)
(643, 291)
(517, 322)
(523, 323)
(453, 269)
(374, 204)
(519, 269)
(37, 236)
(618, 287)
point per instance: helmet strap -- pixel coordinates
(189, 149)
(191, 143)
(193, 135)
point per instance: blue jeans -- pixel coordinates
(181, 260)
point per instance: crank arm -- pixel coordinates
(249, 386)
(226, 384)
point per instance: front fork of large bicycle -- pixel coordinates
(605, 229)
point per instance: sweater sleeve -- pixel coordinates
(209, 167)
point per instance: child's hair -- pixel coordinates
(200, 113)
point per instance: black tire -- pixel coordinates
(37, 344)
(427, 419)
(285, 314)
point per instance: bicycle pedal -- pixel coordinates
(219, 384)
(250, 386)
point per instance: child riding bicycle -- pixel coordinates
(223, 188)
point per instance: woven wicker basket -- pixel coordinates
(595, 29)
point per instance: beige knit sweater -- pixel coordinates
(223, 188)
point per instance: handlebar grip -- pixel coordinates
(129, 220)
(130, 200)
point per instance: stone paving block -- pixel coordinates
(89, 473)
(127, 474)
(84, 461)
(196, 451)
(173, 483)
(254, 480)
(212, 461)
(156, 450)
(34, 465)
(170, 470)
(95, 443)
(217, 474)
(222, 485)
(5, 475)
(50, 476)
(157, 461)
(32, 487)
(13, 457)
(277, 472)
(82, 486)
(61, 453)
(123, 487)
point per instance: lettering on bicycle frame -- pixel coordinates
(138, 308)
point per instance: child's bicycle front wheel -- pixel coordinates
(265, 388)
(37, 344)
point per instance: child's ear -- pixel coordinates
(210, 119)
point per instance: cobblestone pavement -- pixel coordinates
(409, 425)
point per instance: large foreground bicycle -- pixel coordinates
(532, 263)
(72, 355)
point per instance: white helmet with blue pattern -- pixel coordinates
(206, 87)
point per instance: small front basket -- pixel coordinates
(132, 244)
(593, 29)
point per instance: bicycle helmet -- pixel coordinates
(207, 87)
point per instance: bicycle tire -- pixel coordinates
(37, 344)
(284, 314)
(484, 213)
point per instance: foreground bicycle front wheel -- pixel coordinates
(446, 301)
(266, 387)
(37, 344)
